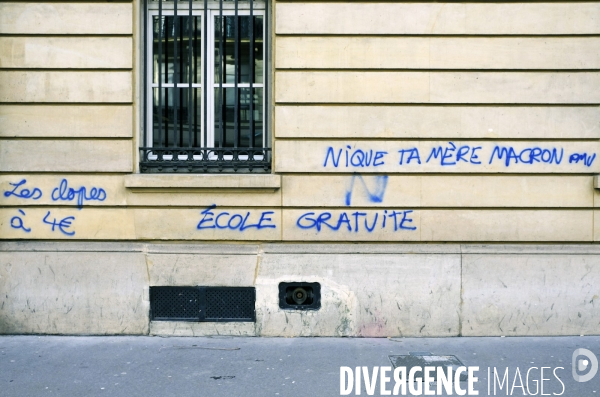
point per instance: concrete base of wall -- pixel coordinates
(366, 289)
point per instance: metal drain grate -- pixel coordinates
(214, 304)
(175, 303)
(426, 359)
(230, 304)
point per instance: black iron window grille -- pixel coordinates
(205, 87)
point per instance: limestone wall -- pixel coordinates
(391, 122)
(410, 106)
(367, 290)
(412, 122)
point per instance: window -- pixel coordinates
(205, 87)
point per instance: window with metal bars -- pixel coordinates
(205, 89)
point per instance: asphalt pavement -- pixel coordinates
(245, 366)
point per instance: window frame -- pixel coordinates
(221, 155)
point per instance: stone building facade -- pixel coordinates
(432, 168)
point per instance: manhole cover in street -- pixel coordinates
(428, 360)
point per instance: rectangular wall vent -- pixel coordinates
(174, 303)
(214, 304)
(300, 296)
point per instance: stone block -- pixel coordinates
(352, 87)
(436, 191)
(205, 270)
(182, 224)
(372, 295)
(437, 18)
(428, 156)
(184, 328)
(504, 191)
(66, 156)
(514, 87)
(596, 225)
(65, 87)
(527, 295)
(367, 52)
(203, 248)
(351, 190)
(66, 18)
(551, 53)
(521, 122)
(42, 189)
(64, 223)
(202, 198)
(507, 225)
(66, 52)
(390, 224)
(310, 52)
(436, 87)
(219, 182)
(73, 293)
(70, 121)
(203, 190)
(358, 248)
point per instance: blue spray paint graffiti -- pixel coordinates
(353, 222)
(61, 193)
(65, 193)
(355, 157)
(450, 155)
(376, 196)
(413, 154)
(23, 193)
(527, 155)
(587, 159)
(16, 222)
(63, 224)
(454, 154)
(224, 220)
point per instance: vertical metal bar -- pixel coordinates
(222, 72)
(181, 74)
(195, 105)
(190, 48)
(204, 73)
(195, 144)
(251, 76)
(236, 91)
(165, 117)
(145, 76)
(160, 60)
(175, 74)
(266, 76)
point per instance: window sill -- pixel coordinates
(147, 183)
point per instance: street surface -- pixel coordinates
(296, 367)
